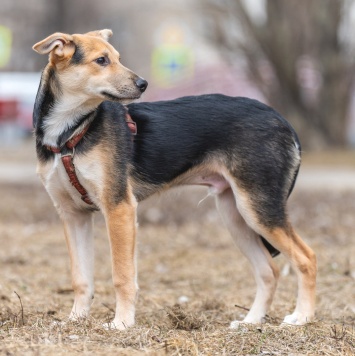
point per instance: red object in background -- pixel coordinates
(8, 110)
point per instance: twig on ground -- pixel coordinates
(22, 313)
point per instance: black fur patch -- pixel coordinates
(175, 135)
(78, 56)
(43, 104)
(44, 99)
(257, 144)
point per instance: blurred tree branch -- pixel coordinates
(296, 57)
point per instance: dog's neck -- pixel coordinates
(57, 113)
(68, 113)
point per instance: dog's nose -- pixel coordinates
(141, 84)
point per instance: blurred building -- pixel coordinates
(140, 28)
(163, 41)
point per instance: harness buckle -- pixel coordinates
(71, 154)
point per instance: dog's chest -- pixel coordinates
(64, 195)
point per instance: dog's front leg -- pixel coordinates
(121, 225)
(78, 227)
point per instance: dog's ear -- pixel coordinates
(105, 34)
(58, 43)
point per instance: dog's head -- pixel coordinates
(89, 65)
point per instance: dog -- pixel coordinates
(89, 159)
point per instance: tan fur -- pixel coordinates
(304, 262)
(121, 223)
(93, 48)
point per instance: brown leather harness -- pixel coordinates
(68, 158)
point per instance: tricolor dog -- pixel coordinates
(88, 160)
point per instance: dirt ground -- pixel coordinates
(193, 281)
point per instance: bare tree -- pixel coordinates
(297, 55)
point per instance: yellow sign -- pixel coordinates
(5, 45)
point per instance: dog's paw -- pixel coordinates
(235, 324)
(57, 324)
(239, 325)
(297, 319)
(249, 319)
(79, 315)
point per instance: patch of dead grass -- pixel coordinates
(184, 251)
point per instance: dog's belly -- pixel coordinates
(214, 176)
(215, 182)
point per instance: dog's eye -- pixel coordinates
(102, 61)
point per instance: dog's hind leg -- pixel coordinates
(265, 271)
(304, 262)
(270, 221)
(121, 226)
(78, 228)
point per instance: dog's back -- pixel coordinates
(174, 136)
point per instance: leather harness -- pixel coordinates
(68, 158)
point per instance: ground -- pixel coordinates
(193, 280)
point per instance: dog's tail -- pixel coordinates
(272, 250)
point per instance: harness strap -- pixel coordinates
(71, 143)
(131, 124)
(67, 158)
(73, 178)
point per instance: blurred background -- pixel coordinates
(296, 55)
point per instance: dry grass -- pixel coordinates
(193, 282)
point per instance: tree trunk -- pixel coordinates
(309, 72)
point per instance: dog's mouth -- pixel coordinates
(119, 99)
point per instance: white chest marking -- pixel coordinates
(56, 181)
(64, 115)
